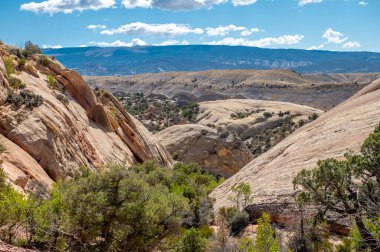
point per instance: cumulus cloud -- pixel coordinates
(117, 43)
(66, 6)
(242, 2)
(318, 47)
(264, 42)
(351, 44)
(223, 30)
(172, 42)
(166, 30)
(171, 4)
(334, 36)
(52, 46)
(96, 27)
(362, 3)
(249, 31)
(304, 2)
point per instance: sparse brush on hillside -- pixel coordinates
(158, 114)
(8, 62)
(142, 208)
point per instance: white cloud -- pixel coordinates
(303, 2)
(318, 47)
(171, 4)
(134, 42)
(223, 30)
(351, 44)
(242, 2)
(362, 3)
(249, 31)
(264, 42)
(166, 30)
(66, 6)
(96, 27)
(52, 46)
(334, 36)
(172, 42)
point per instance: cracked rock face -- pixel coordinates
(334, 133)
(74, 126)
(219, 153)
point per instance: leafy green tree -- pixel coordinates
(242, 195)
(266, 240)
(192, 241)
(348, 188)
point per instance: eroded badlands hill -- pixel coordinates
(331, 135)
(52, 122)
(322, 91)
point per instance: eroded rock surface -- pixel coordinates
(74, 126)
(220, 153)
(331, 135)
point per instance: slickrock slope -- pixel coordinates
(74, 126)
(331, 135)
(322, 91)
(219, 153)
(252, 120)
(223, 130)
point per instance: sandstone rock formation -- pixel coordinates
(73, 127)
(331, 135)
(220, 153)
(247, 117)
(322, 91)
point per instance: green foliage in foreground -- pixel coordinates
(139, 208)
(348, 188)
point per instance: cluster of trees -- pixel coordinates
(161, 113)
(140, 208)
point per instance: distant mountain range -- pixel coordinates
(94, 61)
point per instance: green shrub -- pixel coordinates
(51, 81)
(16, 83)
(8, 62)
(2, 148)
(313, 117)
(44, 60)
(266, 239)
(192, 241)
(267, 114)
(26, 98)
(21, 62)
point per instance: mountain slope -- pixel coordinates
(57, 123)
(331, 135)
(153, 59)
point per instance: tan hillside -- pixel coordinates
(331, 135)
(73, 126)
(252, 119)
(322, 91)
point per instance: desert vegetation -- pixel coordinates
(158, 114)
(141, 208)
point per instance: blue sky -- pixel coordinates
(342, 25)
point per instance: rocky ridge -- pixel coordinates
(333, 134)
(70, 126)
